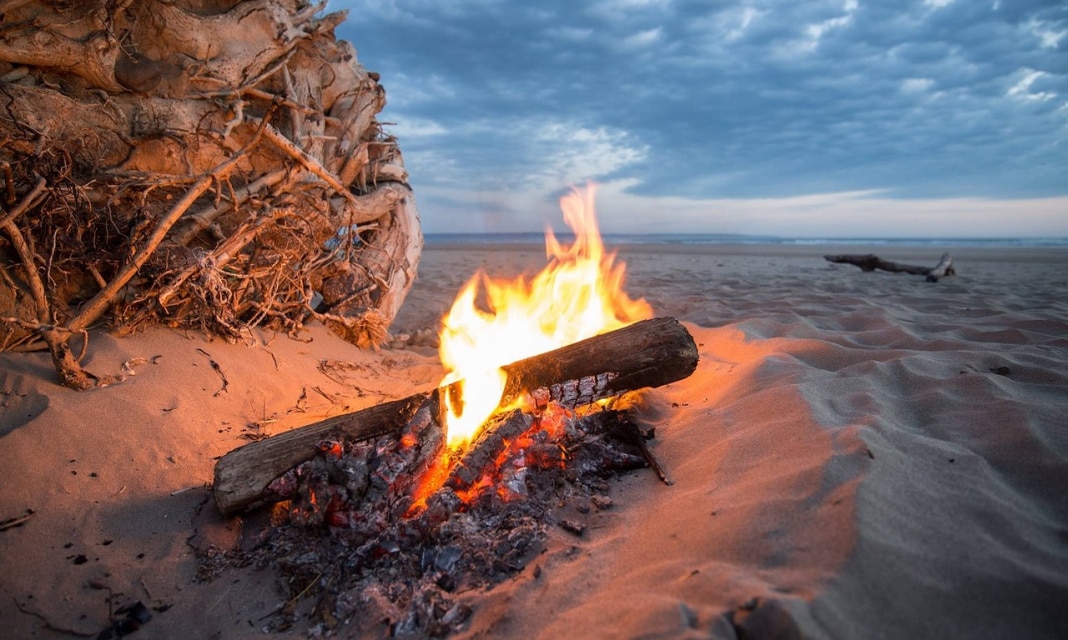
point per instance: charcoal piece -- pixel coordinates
(602, 502)
(545, 456)
(317, 499)
(284, 486)
(484, 452)
(441, 558)
(573, 526)
(440, 506)
(626, 430)
(513, 483)
(605, 459)
(330, 449)
(446, 582)
(456, 615)
(353, 473)
(598, 422)
(396, 457)
(764, 619)
(128, 619)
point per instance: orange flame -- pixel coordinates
(579, 294)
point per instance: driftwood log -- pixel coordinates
(870, 262)
(212, 164)
(650, 353)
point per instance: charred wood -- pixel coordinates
(650, 353)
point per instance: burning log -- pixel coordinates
(650, 353)
(871, 262)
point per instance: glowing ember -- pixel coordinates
(579, 294)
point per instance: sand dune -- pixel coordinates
(859, 455)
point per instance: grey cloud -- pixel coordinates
(729, 99)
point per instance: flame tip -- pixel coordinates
(577, 295)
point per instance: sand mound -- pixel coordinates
(857, 456)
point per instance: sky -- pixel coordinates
(793, 118)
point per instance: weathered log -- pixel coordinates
(943, 268)
(871, 262)
(650, 353)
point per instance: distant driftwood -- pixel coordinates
(870, 262)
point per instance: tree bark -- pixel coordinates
(650, 353)
(871, 262)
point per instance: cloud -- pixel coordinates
(520, 154)
(570, 34)
(1022, 88)
(574, 154)
(642, 39)
(761, 100)
(916, 85)
(412, 128)
(832, 215)
(1049, 36)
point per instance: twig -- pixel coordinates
(278, 64)
(37, 288)
(200, 220)
(330, 397)
(292, 601)
(17, 521)
(632, 432)
(9, 181)
(311, 164)
(28, 201)
(141, 581)
(260, 94)
(218, 370)
(294, 116)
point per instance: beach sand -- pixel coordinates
(858, 455)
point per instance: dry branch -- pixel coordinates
(651, 353)
(308, 162)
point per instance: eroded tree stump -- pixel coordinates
(212, 164)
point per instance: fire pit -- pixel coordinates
(384, 518)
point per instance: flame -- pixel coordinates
(577, 295)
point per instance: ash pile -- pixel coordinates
(383, 538)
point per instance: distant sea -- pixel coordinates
(618, 239)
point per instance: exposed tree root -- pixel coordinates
(210, 164)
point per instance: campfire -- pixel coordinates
(577, 295)
(456, 488)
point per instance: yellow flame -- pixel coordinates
(577, 295)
